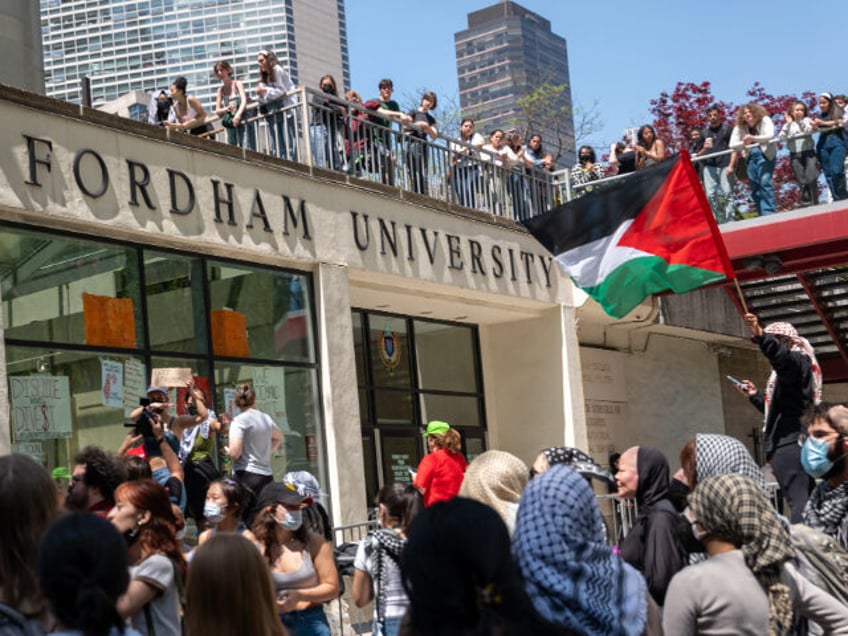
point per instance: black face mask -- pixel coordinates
(678, 492)
(683, 531)
(131, 537)
(585, 158)
(327, 88)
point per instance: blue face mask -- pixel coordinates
(814, 457)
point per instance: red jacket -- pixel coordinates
(440, 475)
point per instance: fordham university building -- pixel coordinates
(358, 311)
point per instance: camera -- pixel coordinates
(143, 424)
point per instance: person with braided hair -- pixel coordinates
(793, 387)
(749, 585)
(377, 562)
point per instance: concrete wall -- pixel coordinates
(534, 395)
(20, 45)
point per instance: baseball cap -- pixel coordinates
(157, 389)
(436, 428)
(279, 493)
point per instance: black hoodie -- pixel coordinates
(652, 546)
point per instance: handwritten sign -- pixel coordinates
(33, 449)
(135, 384)
(112, 383)
(41, 407)
(170, 377)
(269, 383)
(230, 407)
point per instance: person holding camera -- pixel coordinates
(197, 431)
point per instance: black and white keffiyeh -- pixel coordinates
(573, 577)
(827, 511)
(722, 455)
(579, 461)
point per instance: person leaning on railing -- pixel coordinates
(422, 124)
(801, 153)
(274, 84)
(465, 162)
(187, 113)
(754, 126)
(585, 171)
(230, 106)
(831, 145)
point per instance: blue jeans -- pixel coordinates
(283, 132)
(831, 153)
(392, 627)
(718, 186)
(760, 169)
(308, 622)
(325, 150)
(236, 136)
(417, 166)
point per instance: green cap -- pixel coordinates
(436, 428)
(61, 472)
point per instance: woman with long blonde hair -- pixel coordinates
(246, 605)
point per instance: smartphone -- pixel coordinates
(738, 383)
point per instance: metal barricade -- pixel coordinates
(346, 618)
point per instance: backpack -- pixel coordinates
(13, 623)
(822, 560)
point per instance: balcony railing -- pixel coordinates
(320, 130)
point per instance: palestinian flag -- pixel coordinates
(648, 233)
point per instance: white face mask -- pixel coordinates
(213, 512)
(698, 534)
(292, 521)
(180, 535)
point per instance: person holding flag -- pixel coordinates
(795, 384)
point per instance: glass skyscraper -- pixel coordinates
(506, 53)
(125, 45)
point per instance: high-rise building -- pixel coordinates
(507, 52)
(126, 45)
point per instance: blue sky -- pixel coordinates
(621, 54)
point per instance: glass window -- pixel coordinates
(459, 410)
(436, 370)
(260, 313)
(64, 290)
(290, 397)
(389, 345)
(174, 296)
(61, 401)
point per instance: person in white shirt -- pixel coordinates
(754, 126)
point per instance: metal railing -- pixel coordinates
(569, 191)
(324, 131)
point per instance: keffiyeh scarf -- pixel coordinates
(579, 461)
(573, 577)
(733, 508)
(721, 455)
(801, 345)
(827, 510)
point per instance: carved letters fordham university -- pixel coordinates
(388, 238)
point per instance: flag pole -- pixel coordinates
(741, 295)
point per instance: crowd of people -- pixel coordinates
(503, 173)
(493, 546)
(745, 149)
